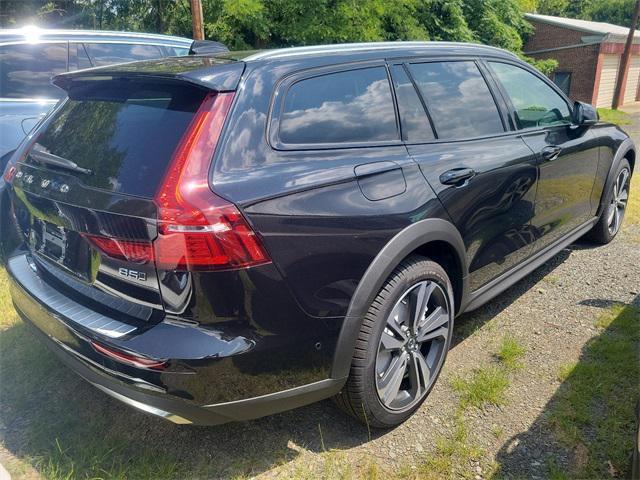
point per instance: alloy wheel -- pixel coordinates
(618, 201)
(413, 345)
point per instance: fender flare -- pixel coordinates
(625, 147)
(398, 248)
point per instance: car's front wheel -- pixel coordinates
(401, 346)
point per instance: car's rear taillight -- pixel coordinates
(129, 250)
(198, 230)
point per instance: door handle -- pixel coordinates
(457, 176)
(550, 152)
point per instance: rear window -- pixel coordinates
(125, 132)
(344, 107)
(26, 70)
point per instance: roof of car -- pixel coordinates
(222, 71)
(34, 34)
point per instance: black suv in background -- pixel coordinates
(220, 238)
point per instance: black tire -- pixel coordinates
(360, 397)
(602, 233)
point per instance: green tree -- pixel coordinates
(528, 5)
(248, 24)
(619, 12)
(553, 7)
(240, 24)
(497, 22)
(445, 20)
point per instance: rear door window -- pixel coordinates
(110, 53)
(352, 106)
(458, 99)
(26, 70)
(125, 132)
(536, 104)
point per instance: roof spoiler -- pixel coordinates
(207, 47)
(208, 72)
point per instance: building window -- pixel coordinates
(563, 80)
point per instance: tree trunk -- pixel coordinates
(196, 16)
(159, 26)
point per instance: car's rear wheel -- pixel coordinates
(401, 346)
(616, 201)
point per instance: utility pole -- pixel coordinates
(624, 63)
(196, 16)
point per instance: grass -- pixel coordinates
(485, 386)
(555, 471)
(335, 465)
(565, 371)
(632, 215)
(510, 353)
(451, 457)
(617, 117)
(39, 419)
(497, 431)
(593, 410)
(7, 314)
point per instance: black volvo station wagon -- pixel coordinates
(217, 238)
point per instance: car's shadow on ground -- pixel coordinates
(587, 429)
(69, 428)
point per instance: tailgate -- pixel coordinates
(58, 216)
(83, 193)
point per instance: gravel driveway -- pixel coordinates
(551, 313)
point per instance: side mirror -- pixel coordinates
(584, 114)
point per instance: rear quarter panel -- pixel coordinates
(320, 230)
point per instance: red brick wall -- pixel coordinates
(581, 62)
(551, 36)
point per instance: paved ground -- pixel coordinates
(51, 419)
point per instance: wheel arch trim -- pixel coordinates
(399, 247)
(623, 150)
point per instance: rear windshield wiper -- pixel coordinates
(56, 161)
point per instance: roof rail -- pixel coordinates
(355, 47)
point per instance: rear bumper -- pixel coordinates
(156, 393)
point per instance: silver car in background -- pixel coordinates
(30, 56)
